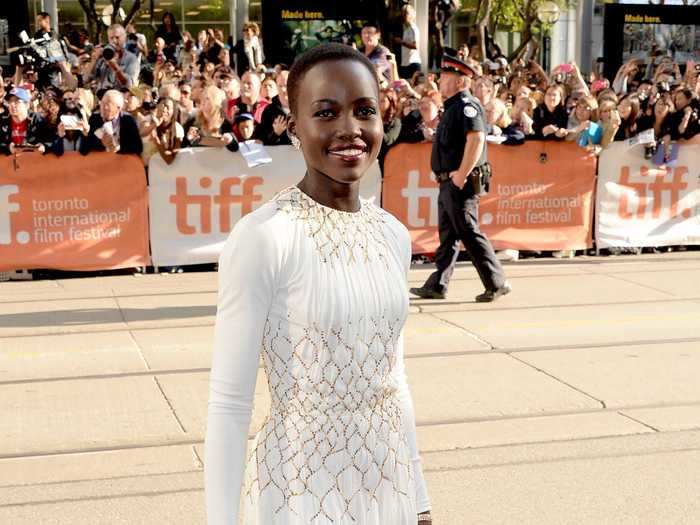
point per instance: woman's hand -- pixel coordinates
(582, 126)
(61, 131)
(227, 138)
(193, 134)
(279, 125)
(84, 127)
(549, 130)
(561, 133)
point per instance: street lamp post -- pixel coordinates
(548, 15)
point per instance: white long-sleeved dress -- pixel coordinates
(322, 295)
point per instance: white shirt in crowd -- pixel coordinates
(408, 55)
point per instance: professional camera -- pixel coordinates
(32, 52)
(108, 53)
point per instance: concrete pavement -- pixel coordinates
(574, 400)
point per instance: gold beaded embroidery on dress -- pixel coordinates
(331, 230)
(335, 428)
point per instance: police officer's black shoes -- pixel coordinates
(427, 293)
(491, 295)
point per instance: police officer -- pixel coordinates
(459, 162)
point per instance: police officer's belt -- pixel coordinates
(480, 172)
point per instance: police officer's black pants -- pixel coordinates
(458, 219)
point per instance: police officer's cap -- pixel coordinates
(455, 65)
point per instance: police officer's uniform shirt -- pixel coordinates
(463, 113)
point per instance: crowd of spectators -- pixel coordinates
(131, 96)
(181, 90)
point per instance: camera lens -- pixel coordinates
(108, 53)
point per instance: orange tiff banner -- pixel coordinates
(541, 196)
(73, 212)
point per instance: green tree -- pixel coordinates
(93, 14)
(515, 16)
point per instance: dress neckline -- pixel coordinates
(311, 201)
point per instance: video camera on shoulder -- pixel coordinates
(29, 53)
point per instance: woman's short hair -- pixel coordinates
(253, 27)
(590, 102)
(330, 52)
(562, 92)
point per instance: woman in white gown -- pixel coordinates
(315, 282)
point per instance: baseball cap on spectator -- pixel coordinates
(21, 94)
(245, 126)
(244, 116)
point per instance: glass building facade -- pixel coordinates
(190, 15)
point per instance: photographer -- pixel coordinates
(52, 52)
(112, 66)
(21, 128)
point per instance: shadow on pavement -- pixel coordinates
(90, 316)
